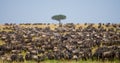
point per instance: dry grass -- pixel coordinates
(2, 42)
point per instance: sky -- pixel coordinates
(77, 11)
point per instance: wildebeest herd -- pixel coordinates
(101, 42)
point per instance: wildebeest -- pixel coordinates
(67, 42)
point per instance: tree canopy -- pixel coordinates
(59, 17)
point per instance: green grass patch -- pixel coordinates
(65, 61)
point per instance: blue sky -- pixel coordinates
(77, 11)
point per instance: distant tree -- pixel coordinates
(59, 18)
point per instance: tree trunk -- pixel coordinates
(60, 24)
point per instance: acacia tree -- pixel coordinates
(59, 18)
